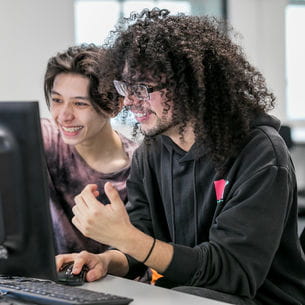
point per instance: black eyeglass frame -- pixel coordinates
(125, 89)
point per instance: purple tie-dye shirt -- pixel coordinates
(68, 175)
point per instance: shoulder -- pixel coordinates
(264, 149)
(48, 127)
(265, 141)
(50, 132)
(52, 140)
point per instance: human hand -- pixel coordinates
(97, 264)
(108, 224)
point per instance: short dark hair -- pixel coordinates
(208, 77)
(86, 60)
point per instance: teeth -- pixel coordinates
(139, 115)
(72, 129)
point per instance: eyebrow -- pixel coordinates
(85, 98)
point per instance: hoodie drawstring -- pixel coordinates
(195, 204)
(172, 199)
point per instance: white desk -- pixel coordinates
(144, 294)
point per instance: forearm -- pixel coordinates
(117, 262)
(138, 245)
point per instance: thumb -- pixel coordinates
(113, 195)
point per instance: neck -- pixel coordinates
(105, 152)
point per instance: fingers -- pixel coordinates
(80, 205)
(96, 220)
(62, 259)
(113, 195)
(87, 198)
(78, 210)
(76, 221)
(97, 269)
(96, 193)
(79, 261)
(85, 206)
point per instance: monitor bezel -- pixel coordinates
(31, 252)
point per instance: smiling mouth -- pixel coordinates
(140, 114)
(71, 129)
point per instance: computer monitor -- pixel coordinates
(26, 237)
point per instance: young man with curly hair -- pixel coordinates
(212, 189)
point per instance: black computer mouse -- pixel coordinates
(65, 275)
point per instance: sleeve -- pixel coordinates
(138, 209)
(243, 239)
(47, 131)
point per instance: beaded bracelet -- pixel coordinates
(149, 253)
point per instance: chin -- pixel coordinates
(72, 142)
(153, 132)
(160, 129)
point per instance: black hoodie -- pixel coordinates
(236, 233)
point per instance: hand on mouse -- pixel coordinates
(97, 264)
(66, 277)
(111, 261)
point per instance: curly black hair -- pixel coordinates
(86, 60)
(209, 80)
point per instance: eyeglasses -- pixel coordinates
(140, 91)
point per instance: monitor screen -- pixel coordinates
(26, 237)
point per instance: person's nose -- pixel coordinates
(66, 112)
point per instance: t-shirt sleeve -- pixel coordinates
(48, 131)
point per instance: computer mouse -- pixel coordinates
(65, 275)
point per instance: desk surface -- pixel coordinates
(144, 294)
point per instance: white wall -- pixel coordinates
(30, 32)
(33, 30)
(262, 26)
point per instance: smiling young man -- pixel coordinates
(212, 203)
(80, 145)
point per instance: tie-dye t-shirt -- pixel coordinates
(68, 174)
